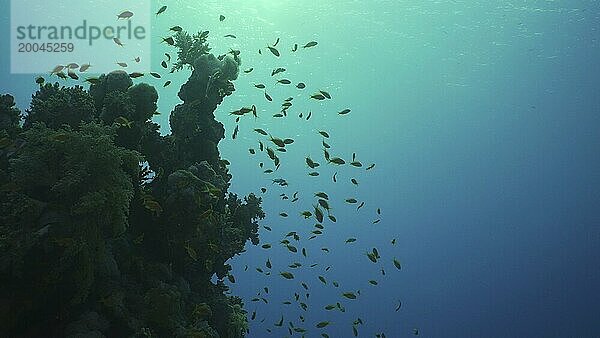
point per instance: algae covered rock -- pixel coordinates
(109, 229)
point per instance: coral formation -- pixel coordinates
(111, 229)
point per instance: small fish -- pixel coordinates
(135, 75)
(276, 42)
(268, 264)
(397, 264)
(84, 67)
(356, 164)
(344, 112)
(259, 86)
(399, 306)
(167, 83)
(274, 51)
(351, 240)
(326, 94)
(371, 166)
(61, 75)
(322, 195)
(337, 160)
(266, 246)
(161, 10)
(301, 85)
(360, 206)
(221, 17)
(318, 96)
(334, 178)
(125, 15)
(373, 282)
(277, 71)
(137, 59)
(155, 75)
(321, 325)
(57, 69)
(164, 64)
(72, 75)
(235, 132)
(92, 80)
(324, 134)
(295, 48)
(309, 115)
(351, 200)
(310, 163)
(118, 42)
(313, 174)
(122, 64)
(287, 275)
(323, 203)
(40, 80)
(168, 57)
(169, 41)
(230, 36)
(354, 181)
(268, 97)
(123, 122)
(310, 44)
(349, 295)
(176, 29)
(277, 141)
(284, 81)
(318, 214)
(248, 70)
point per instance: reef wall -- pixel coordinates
(108, 228)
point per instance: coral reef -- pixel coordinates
(109, 229)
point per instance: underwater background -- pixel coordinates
(483, 120)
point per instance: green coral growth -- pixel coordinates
(191, 47)
(109, 228)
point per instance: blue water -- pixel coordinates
(483, 119)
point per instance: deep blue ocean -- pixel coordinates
(483, 121)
